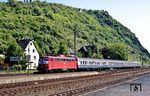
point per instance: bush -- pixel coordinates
(16, 67)
(36, 11)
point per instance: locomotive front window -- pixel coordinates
(43, 60)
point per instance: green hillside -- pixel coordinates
(51, 26)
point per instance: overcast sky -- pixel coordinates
(134, 14)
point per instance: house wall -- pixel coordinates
(32, 55)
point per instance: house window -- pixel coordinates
(28, 49)
(34, 65)
(34, 57)
(33, 50)
(30, 43)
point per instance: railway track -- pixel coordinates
(37, 73)
(68, 86)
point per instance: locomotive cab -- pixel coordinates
(43, 64)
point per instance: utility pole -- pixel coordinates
(75, 44)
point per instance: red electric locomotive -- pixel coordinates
(53, 63)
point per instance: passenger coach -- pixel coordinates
(88, 63)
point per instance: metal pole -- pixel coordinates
(75, 43)
(28, 70)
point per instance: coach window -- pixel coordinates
(93, 62)
(85, 62)
(89, 62)
(80, 62)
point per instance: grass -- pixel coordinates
(16, 71)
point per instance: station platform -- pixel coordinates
(34, 77)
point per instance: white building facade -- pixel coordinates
(31, 52)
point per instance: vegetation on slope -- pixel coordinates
(51, 26)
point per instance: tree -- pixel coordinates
(115, 51)
(23, 64)
(105, 52)
(11, 1)
(14, 50)
(62, 48)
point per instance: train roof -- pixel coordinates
(60, 56)
(106, 60)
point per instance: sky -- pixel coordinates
(134, 14)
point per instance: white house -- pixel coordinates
(31, 53)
